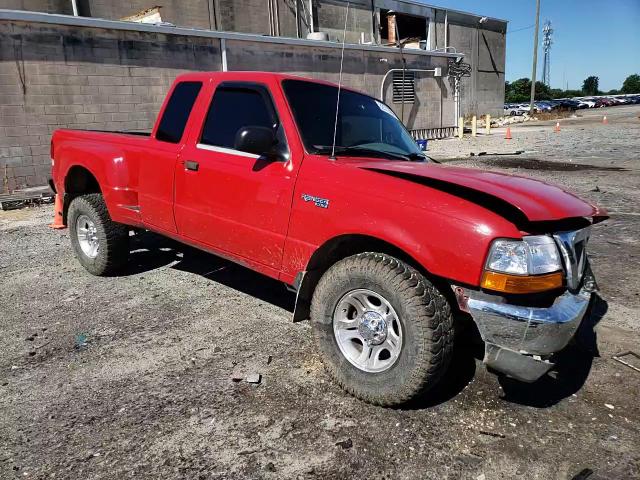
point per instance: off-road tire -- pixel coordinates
(113, 237)
(425, 316)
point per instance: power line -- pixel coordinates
(520, 29)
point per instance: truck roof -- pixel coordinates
(252, 76)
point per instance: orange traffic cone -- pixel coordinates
(557, 127)
(604, 120)
(508, 135)
(58, 223)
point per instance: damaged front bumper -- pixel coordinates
(519, 340)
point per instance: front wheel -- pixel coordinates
(101, 245)
(384, 331)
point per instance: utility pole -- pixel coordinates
(535, 58)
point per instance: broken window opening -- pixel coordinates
(395, 27)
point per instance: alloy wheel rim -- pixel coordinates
(367, 330)
(87, 233)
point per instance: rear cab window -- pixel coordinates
(176, 114)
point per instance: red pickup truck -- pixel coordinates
(383, 246)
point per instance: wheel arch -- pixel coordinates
(338, 248)
(79, 180)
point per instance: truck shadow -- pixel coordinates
(460, 374)
(573, 365)
(150, 252)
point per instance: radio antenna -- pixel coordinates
(335, 125)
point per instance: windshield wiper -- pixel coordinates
(417, 157)
(364, 151)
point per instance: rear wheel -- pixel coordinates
(100, 244)
(384, 331)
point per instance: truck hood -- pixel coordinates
(536, 200)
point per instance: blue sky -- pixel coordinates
(592, 37)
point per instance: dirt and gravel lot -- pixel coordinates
(133, 376)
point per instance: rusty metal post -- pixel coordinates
(391, 27)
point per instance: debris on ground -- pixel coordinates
(345, 444)
(624, 356)
(492, 434)
(28, 197)
(81, 341)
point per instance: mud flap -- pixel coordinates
(303, 285)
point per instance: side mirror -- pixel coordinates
(256, 140)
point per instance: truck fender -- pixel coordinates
(333, 251)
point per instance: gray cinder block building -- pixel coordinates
(102, 64)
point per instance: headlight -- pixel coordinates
(529, 265)
(530, 256)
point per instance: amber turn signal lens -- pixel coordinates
(503, 282)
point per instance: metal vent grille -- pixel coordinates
(404, 90)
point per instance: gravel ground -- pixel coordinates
(134, 375)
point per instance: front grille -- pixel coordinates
(573, 248)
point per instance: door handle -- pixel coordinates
(191, 165)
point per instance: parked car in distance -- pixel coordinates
(604, 102)
(384, 247)
(584, 103)
(513, 110)
(566, 104)
(543, 106)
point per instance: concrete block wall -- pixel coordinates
(63, 77)
(184, 13)
(287, 18)
(483, 92)
(483, 44)
(248, 16)
(60, 76)
(44, 6)
(331, 19)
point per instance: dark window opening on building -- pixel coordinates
(400, 26)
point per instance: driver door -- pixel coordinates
(234, 201)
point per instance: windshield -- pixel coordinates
(365, 125)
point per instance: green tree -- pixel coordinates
(543, 92)
(613, 92)
(631, 84)
(556, 93)
(590, 85)
(572, 93)
(519, 91)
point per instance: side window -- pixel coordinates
(235, 107)
(176, 114)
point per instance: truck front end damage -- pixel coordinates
(521, 337)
